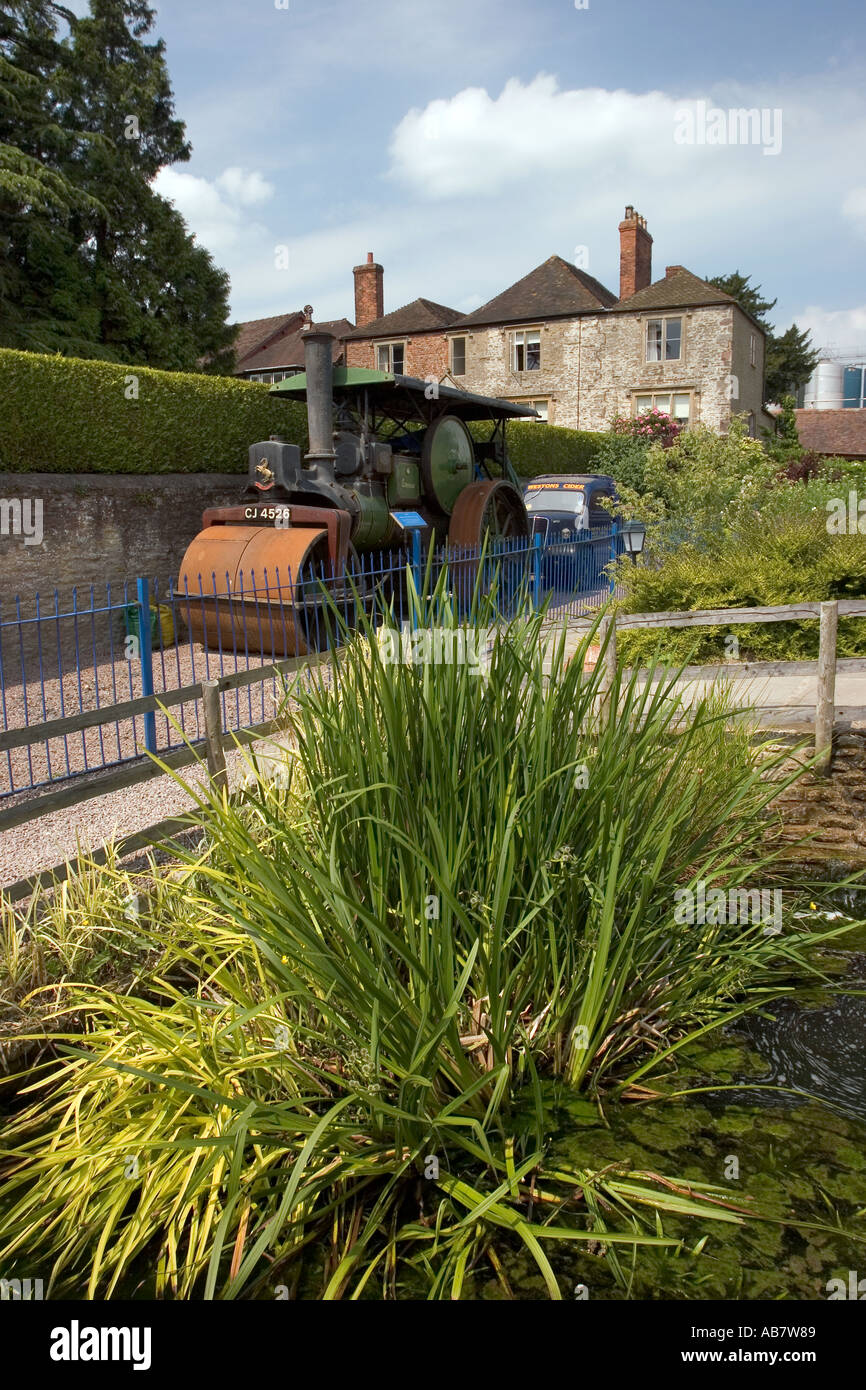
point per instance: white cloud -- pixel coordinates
(837, 331)
(854, 207)
(243, 188)
(475, 144)
(215, 209)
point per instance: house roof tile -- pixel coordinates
(287, 350)
(251, 336)
(555, 289)
(679, 289)
(840, 433)
(421, 316)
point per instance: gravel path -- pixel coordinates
(49, 840)
(111, 683)
(41, 844)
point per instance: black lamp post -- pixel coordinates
(633, 536)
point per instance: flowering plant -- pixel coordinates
(651, 426)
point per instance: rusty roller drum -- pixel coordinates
(244, 594)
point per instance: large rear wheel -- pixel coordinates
(489, 543)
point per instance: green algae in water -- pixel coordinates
(801, 1164)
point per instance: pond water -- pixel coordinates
(800, 1158)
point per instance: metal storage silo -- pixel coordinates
(824, 388)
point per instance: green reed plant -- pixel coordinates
(466, 885)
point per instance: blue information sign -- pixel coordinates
(409, 520)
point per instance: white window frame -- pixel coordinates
(389, 348)
(664, 320)
(665, 393)
(753, 350)
(535, 403)
(519, 340)
(458, 338)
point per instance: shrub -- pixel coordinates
(624, 458)
(67, 415)
(700, 486)
(770, 559)
(653, 426)
(783, 442)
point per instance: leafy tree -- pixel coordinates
(747, 295)
(37, 309)
(790, 359)
(106, 267)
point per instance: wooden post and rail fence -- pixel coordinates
(214, 743)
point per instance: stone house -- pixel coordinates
(581, 355)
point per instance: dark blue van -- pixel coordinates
(564, 509)
(561, 505)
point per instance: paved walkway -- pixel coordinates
(780, 699)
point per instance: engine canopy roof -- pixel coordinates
(405, 397)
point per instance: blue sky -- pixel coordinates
(465, 141)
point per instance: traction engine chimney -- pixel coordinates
(319, 367)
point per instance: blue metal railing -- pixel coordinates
(94, 650)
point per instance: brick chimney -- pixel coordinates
(369, 293)
(635, 254)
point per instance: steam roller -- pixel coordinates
(381, 446)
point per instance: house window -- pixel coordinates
(391, 357)
(541, 408)
(664, 340)
(458, 356)
(675, 403)
(753, 350)
(527, 350)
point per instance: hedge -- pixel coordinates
(534, 447)
(67, 415)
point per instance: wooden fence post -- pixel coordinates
(607, 641)
(213, 732)
(825, 705)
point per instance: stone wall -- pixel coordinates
(97, 529)
(591, 366)
(831, 811)
(748, 377)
